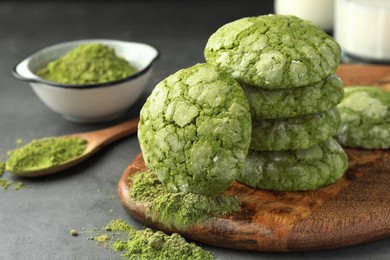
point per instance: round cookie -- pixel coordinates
(365, 118)
(195, 130)
(273, 51)
(296, 170)
(286, 103)
(294, 133)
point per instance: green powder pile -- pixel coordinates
(5, 184)
(2, 168)
(178, 210)
(101, 238)
(87, 64)
(119, 225)
(44, 153)
(18, 186)
(147, 244)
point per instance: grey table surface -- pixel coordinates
(35, 221)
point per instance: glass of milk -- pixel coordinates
(320, 12)
(362, 28)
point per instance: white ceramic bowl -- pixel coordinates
(89, 102)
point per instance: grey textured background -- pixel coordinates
(35, 221)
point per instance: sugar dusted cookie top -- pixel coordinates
(273, 51)
(195, 130)
(365, 118)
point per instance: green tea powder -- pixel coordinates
(179, 210)
(5, 184)
(87, 64)
(2, 168)
(146, 244)
(45, 153)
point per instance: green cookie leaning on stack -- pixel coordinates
(286, 67)
(195, 130)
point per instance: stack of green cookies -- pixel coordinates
(286, 67)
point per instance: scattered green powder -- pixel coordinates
(119, 245)
(87, 64)
(44, 153)
(147, 244)
(5, 184)
(146, 187)
(74, 232)
(19, 185)
(179, 210)
(2, 168)
(111, 197)
(102, 238)
(119, 225)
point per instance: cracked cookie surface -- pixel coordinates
(294, 133)
(286, 103)
(195, 130)
(365, 118)
(296, 170)
(273, 51)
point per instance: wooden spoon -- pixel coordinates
(95, 141)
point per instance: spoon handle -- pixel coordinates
(99, 138)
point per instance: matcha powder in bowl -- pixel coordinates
(87, 64)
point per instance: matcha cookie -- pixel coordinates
(285, 103)
(195, 130)
(365, 118)
(297, 170)
(294, 133)
(273, 51)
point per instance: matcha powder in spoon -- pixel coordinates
(45, 153)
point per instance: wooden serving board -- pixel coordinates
(354, 210)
